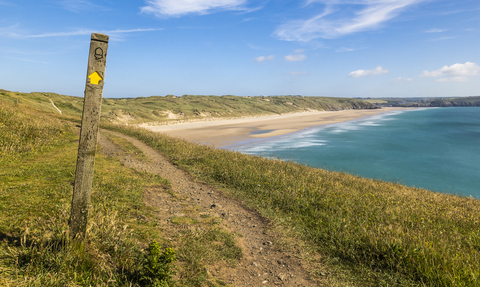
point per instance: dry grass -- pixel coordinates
(389, 234)
(37, 171)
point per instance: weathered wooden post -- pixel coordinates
(88, 135)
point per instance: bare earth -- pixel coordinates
(263, 263)
(226, 132)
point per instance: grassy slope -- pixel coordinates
(138, 110)
(388, 234)
(37, 167)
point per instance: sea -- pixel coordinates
(431, 148)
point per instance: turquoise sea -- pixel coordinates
(432, 148)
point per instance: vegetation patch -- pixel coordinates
(125, 244)
(387, 233)
(187, 107)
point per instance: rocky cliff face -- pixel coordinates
(451, 102)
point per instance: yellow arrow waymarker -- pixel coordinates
(95, 78)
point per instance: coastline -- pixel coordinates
(232, 131)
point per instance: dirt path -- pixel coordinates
(262, 263)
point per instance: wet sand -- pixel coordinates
(228, 132)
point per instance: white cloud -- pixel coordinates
(298, 73)
(11, 31)
(181, 7)
(403, 79)
(27, 60)
(80, 5)
(454, 73)
(436, 30)
(442, 38)
(264, 58)
(331, 22)
(452, 79)
(343, 49)
(295, 57)
(360, 73)
(87, 32)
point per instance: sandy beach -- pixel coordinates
(227, 132)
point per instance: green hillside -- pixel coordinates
(171, 108)
(365, 232)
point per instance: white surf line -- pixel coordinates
(55, 106)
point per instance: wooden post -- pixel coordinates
(88, 135)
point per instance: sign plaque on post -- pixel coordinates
(88, 135)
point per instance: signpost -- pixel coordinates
(88, 135)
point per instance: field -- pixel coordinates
(367, 232)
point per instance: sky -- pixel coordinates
(336, 48)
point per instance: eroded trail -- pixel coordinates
(262, 263)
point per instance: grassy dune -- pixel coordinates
(171, 108)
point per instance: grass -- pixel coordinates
(378, 233)
(187, 107)
(387, 234)
(37, 168)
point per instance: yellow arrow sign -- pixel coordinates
(95, 78)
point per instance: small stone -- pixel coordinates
(282, 276)
(141, 217)
(267, 243)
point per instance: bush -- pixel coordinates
(158, 266)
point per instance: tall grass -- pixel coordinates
(405, 236)
(36, 176)
(126, 244)
(24, 130)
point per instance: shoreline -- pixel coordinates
(222, 133)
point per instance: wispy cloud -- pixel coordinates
(403, 79)
(442, 38)
(264, 58)
(28, 60)
(80, 5)
(454, 73)
(298, 73)
(181, 7)
(12, 31)
(436, 30)
(88, 32)
(345, 49)
(295, 57)
(331, 22)
(361, 73)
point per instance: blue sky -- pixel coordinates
(341, 48)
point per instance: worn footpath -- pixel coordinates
(262, 264)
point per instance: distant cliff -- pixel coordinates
(444, 102)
